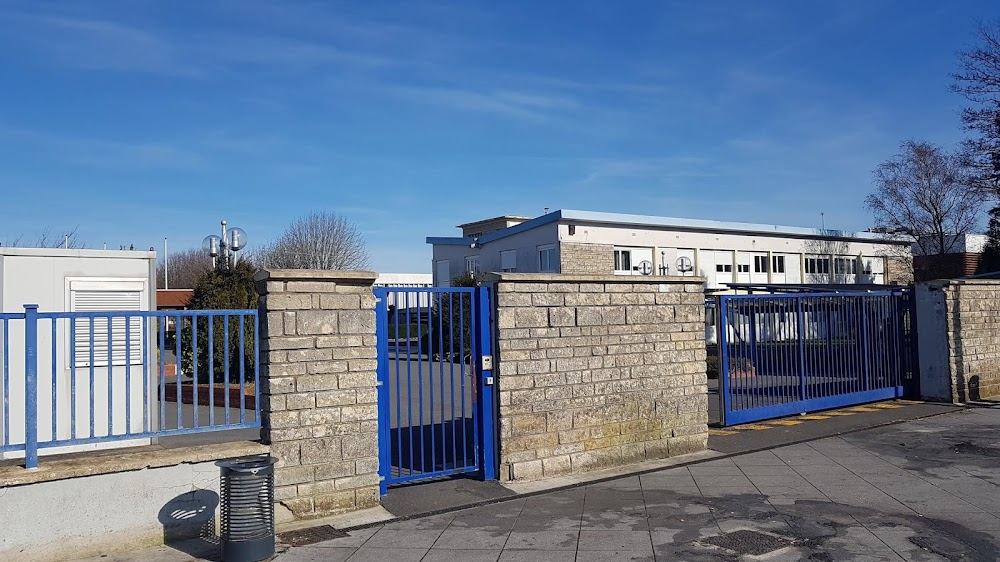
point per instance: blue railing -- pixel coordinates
(98, 377)
(784, 354)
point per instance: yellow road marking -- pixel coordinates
(751, 426)
(863, 409)
(838, 413)
(784, 422)
(886, 406)
(814, 417)
(909, 401)
(721, 432)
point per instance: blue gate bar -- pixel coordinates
(145, 376)
(211, 369)
(162, 371)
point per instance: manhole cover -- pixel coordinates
(311, 535)
(749, 542)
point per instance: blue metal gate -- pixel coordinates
(435, 376)
(785, 354)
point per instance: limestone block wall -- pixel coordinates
(958, 323)
(319, 405)
(586, 258)
(598, 370)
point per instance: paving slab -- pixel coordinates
(926, 489)
(899, 492)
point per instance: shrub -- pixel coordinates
(712, 366)
(223, 288)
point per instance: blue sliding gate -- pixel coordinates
(435, 377)
(786, 354)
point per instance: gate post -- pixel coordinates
(31, 385)
(382, 354)
(485, 405)
(722, 340)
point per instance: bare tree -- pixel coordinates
(319, 240)
(978, 80)
(924, 192)
(186, 268)
(47, 239)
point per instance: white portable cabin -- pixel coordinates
(65, 280)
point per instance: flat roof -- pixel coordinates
(670, 222)
(76, 253)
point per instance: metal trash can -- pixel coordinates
(246, 490)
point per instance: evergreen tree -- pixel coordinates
(223, 288)
(990, 260)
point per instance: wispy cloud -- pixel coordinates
(519, 105)
(103, 153)
(91, 44)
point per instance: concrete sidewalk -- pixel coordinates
(922, 490)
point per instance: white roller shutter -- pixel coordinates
(107, 296)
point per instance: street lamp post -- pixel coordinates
(232, 240)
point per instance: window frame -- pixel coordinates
(760, 264)
(845, 265)
(777, 264)
(502, 264)
(622, 256)
(816, 262)
(472, 265)
(553, 258)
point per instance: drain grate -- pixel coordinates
(312, 535)
(748, 542)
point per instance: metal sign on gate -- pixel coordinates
(435, 374)
(786, 354)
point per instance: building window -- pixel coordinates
(623, 260)
(845, 266)
(743, 268)
(107, 296)
(472, 264)
(778, 264)
(508, 261)
(547, 260)
(760, 264)
(724, 267)
(818, 265)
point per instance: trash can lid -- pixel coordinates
(247, 464)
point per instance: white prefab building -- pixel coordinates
(60, 280)
(725, 253)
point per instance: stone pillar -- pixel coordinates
(958, 330)
(319, 405)
(596, 371)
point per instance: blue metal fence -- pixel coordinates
(99, 377)
(435, 395)
(786, 354)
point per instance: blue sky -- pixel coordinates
(142, 120)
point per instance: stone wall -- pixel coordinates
(598, 371)
(958, 323)
(593, 259)
(319, 405)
